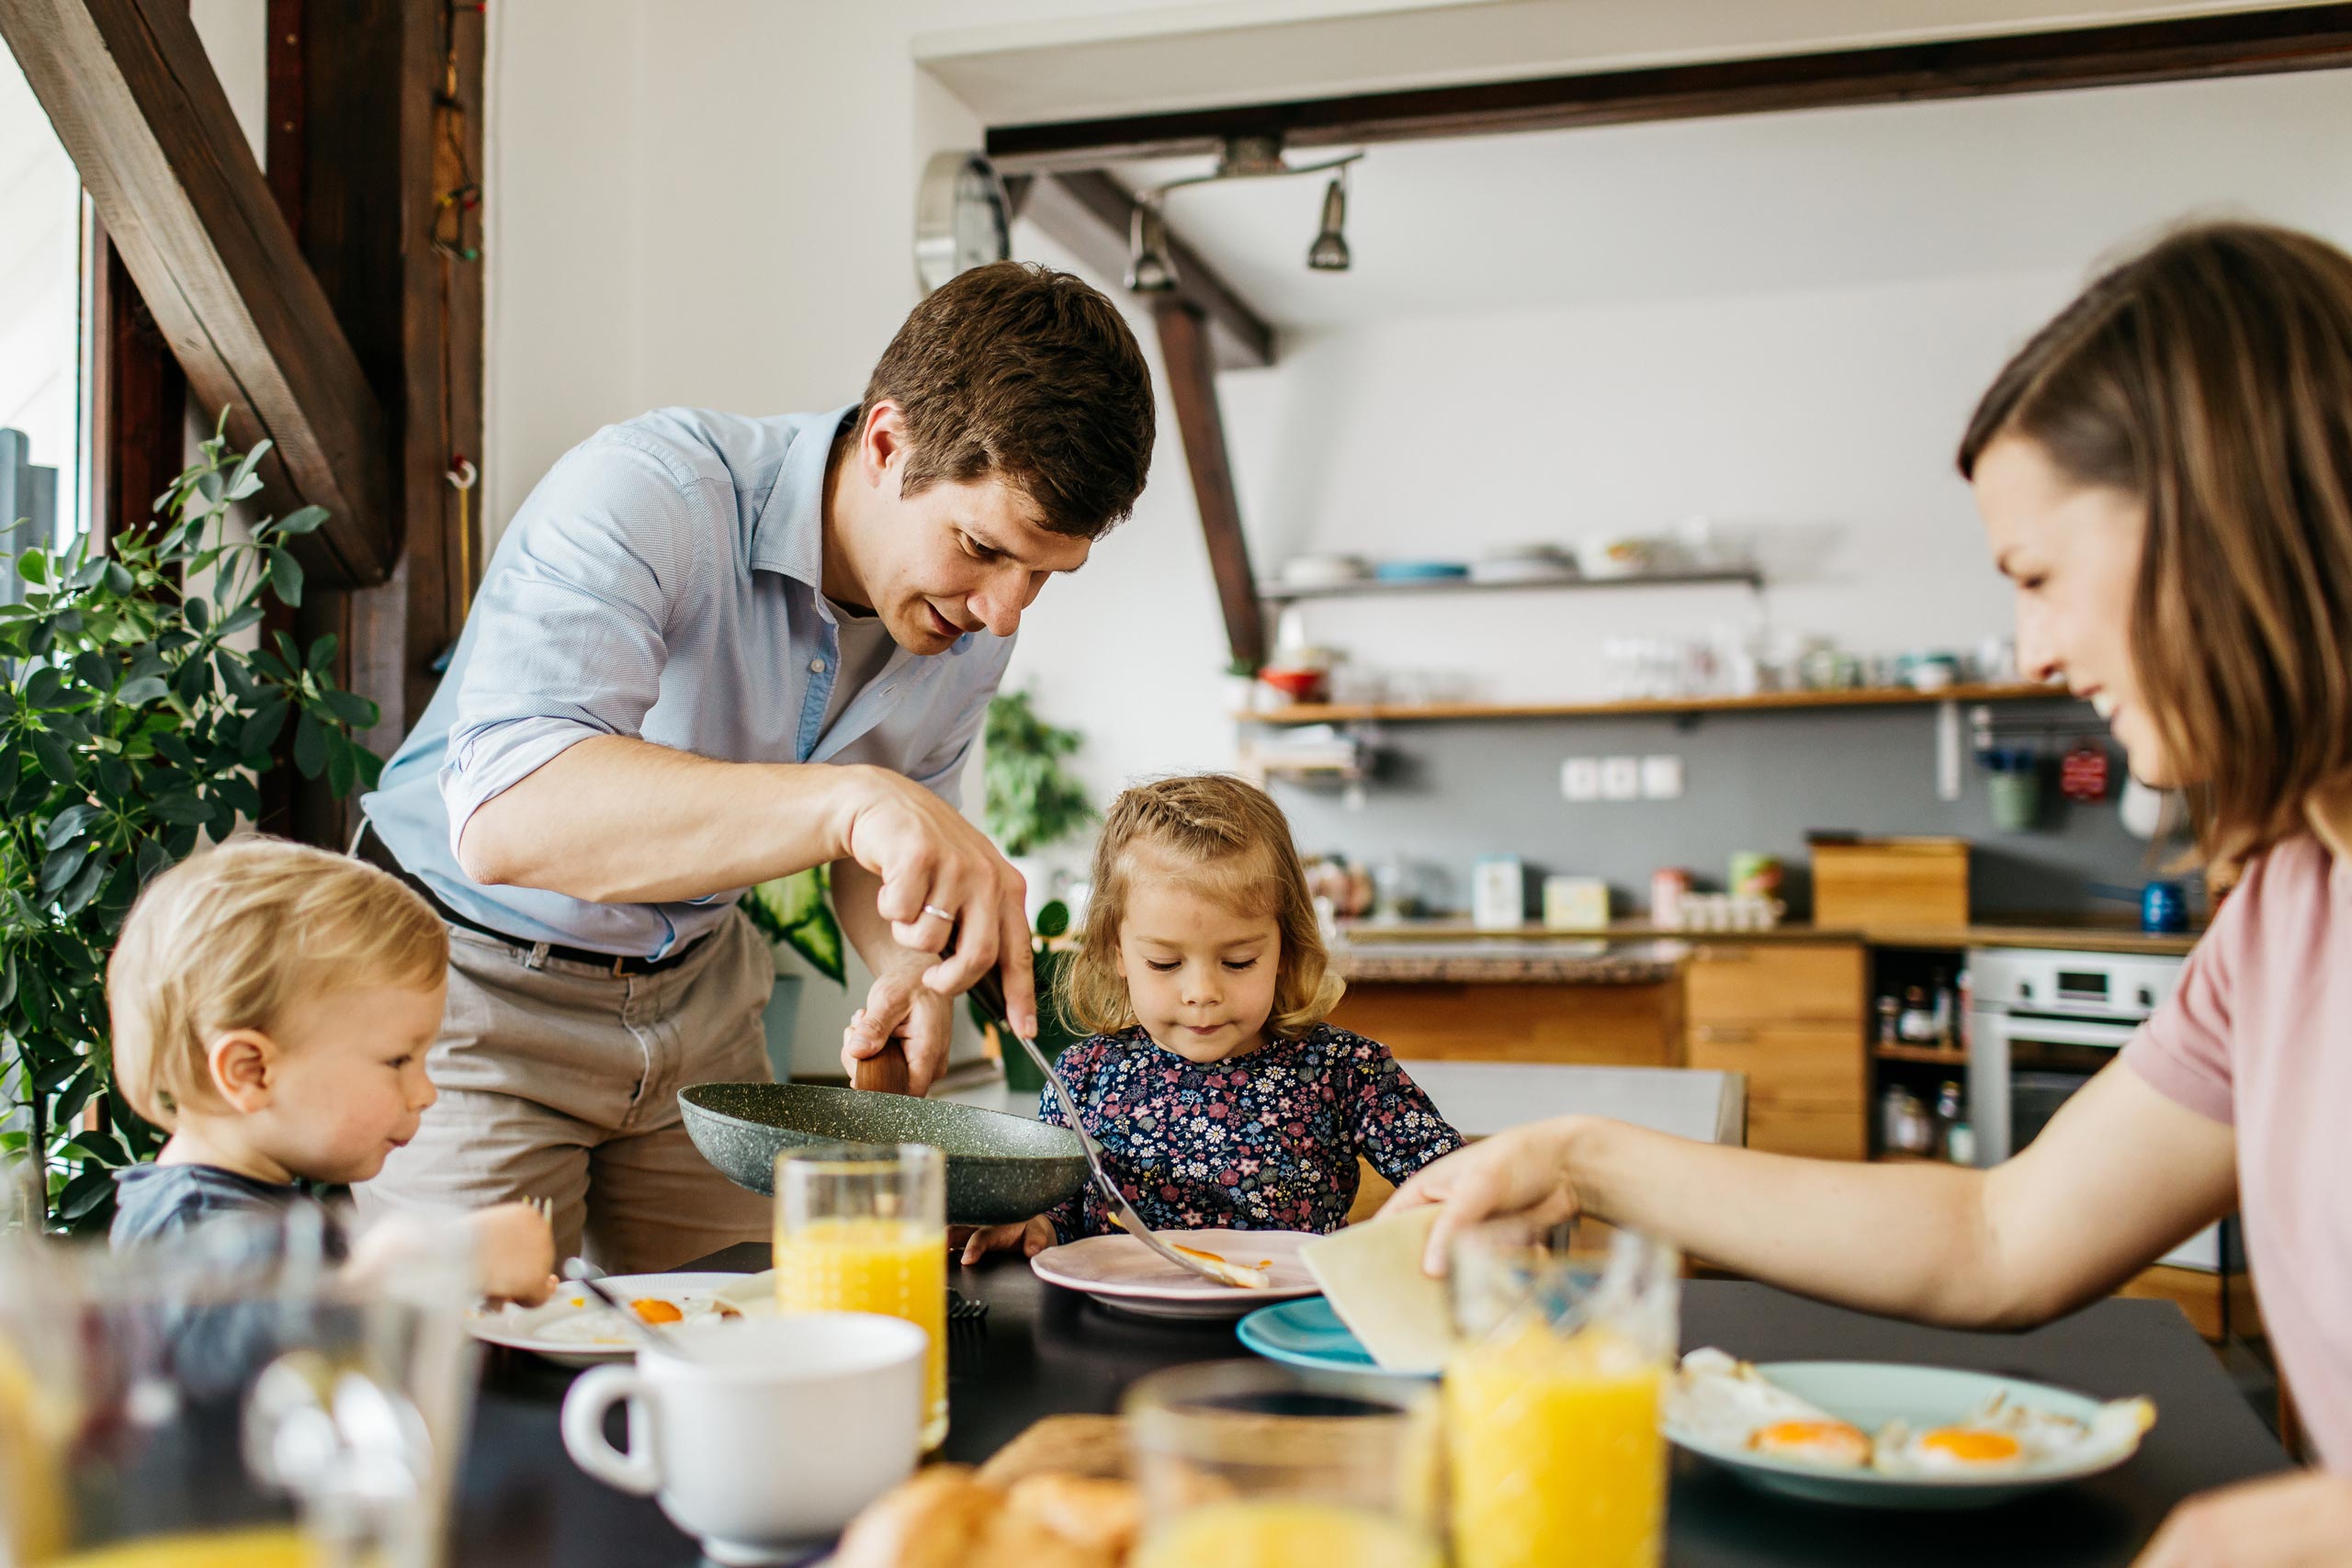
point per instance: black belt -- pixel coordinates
(371, 847)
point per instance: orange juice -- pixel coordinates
(897, 1267)
(1556, 1450)
(269, 1546)
(1282, 1535)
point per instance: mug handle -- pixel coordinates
(597, 1391)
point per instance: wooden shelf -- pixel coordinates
(1376, 587)
(1920, 1054)
(1896, 1156)
(1875, 696)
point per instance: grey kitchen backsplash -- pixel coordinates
(1447, 793)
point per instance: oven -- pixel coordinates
(2041, 1021)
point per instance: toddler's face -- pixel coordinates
(1201, 975)
(349, 1083)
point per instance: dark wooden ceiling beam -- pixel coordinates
(2296, 38)
(1087, 213)
(133, 97)
(1192, 388)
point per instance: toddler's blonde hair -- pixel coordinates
(1231, 843)
(228, 937)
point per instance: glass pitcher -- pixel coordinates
(235, 1397)
(1568, 1334)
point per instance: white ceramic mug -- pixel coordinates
(771, 1432)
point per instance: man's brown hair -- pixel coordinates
(2210, 377)
(1024, 374)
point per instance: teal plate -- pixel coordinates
(1870, 1394)
(1307, 1333)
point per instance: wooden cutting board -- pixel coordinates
(1074, 1445)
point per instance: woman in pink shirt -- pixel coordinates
(2165, 474)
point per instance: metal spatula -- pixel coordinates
(989, 994)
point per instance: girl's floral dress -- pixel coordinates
(1263, 1141)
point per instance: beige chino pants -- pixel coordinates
(559, 1080)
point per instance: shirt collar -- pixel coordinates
(789, 536)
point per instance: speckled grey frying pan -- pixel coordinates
(1001, 1168)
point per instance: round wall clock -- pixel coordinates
(962, 219)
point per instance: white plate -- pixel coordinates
(575, 1329)
(1121, 1272)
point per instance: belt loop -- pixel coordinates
(538, 958)
(620, 965)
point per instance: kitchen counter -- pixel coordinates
(1566, 962)
(1486, 1098)
(2090, 936)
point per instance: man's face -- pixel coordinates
(949, 559)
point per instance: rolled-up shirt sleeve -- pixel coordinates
(571, 630)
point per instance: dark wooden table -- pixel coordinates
(1043, 1350)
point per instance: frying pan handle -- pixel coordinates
(886, 1073)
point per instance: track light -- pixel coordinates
(1151, 269)
(1329, 251)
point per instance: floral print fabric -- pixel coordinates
(1263, 1141)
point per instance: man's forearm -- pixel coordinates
(616, 820)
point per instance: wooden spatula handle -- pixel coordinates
(886, 1073)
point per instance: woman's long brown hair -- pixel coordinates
(2211, 377)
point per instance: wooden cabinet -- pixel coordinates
(1610, 1025)
(1789, 1015)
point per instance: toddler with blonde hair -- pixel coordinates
(1221, 1095)
(271, 1007)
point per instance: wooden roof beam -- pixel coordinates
(135, 101)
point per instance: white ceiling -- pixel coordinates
(1815, 200)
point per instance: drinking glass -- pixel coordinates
(1552, 1399)
(232, 1397)
(862, 1227)
(1245, 1464)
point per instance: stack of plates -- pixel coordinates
(1324, 571)
(1526, 563)
(1420, 571)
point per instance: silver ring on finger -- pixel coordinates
(948, 915)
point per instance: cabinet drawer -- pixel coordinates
(1789, 1065)
(1817, 1132)
(1730, 983)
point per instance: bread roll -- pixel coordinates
(1105, 1515)
(932, 1521)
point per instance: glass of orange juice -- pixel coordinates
(1245, 1464)
(862, 1227)
(1551, 1399)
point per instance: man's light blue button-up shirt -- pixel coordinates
(664, 580)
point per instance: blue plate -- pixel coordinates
(1419, 571)
(1307, 1333)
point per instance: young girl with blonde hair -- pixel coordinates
(2166, 475)
(1222, 1098)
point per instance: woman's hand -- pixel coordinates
(1520, 1173)
(514, 1253)
(2282, 1521)
(1032, 1235)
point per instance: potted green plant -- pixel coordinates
(794, 913)
(1030, 801)
(135, 711)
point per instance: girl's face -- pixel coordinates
(1201, 975)
(2073, 551)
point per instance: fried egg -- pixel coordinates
(2007, 1436)
(1728, 1403)
(592, 1323)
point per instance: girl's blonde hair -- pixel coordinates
(227, 938)
(2210, 377)
(1231, 843)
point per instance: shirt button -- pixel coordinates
(817, 666)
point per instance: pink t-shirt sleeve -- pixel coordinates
(2183, 1052)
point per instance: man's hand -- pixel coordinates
(945, 890)
(900, 1008)
(2303, 1520)
(1522, 1173)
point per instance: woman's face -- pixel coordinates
(2073, 551)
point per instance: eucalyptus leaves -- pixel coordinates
(137, 705)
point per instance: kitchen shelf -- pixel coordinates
(1920, 1054)
(1872, 697)
(1376, 587)
(1896, 1156)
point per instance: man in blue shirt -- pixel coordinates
(710, 651)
